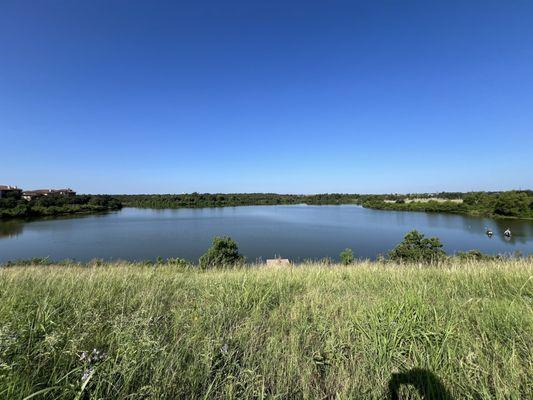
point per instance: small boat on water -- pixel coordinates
(507, 233)
(489, 232)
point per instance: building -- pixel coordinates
(10, 191)
(31, 194)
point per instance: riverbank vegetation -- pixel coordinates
(56, 205)
(518, 204)
(463, 330)
(515, 204)
(196, 200)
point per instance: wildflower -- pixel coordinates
(94, 357)
(86, 374)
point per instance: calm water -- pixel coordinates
(295, 232)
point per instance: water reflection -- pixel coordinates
(294, 232)
(11, 228)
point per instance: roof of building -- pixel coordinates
(8, 187)
(46, 191)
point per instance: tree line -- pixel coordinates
(55, 204)
(195, 200)
(514, 203)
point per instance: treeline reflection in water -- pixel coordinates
(11, 228)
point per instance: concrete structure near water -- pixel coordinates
(278, 261)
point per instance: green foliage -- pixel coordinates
(347, 257)
(57, 205)
(513, 204)
(31, 261)
(416, 248)
(491, 204)
(178, 262)
(475, 255)
(479, 199)
(510, 204)
(194, 200)
(428, 206)
(224, 252)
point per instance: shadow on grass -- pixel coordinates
(427, 384)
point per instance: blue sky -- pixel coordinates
(278, 96)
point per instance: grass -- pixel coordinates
(464, 331)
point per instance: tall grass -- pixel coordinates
(310, 331)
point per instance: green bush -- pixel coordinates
(347, 257)
(512, 204)
(224, 252)
(416, 248)
(475, 255)
(178, 262)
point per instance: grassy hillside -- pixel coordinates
(165, 332)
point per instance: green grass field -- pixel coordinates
(461, 331)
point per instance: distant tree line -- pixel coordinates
(515, 203)
(12, 207)
(195, 200)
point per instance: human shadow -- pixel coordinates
(427, 384)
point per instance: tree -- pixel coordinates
(347, 257)
(416, 248)
(477, 199)
(513, 204)
(224, 252)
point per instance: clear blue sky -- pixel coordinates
(279, 96)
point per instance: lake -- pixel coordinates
(295, 232)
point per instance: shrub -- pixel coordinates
(347, 257)
(30, 261)
(224, 252)
(178, 262)
(416, 248)
(475, 255)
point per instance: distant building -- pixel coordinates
(31, 194)
(10, 191)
